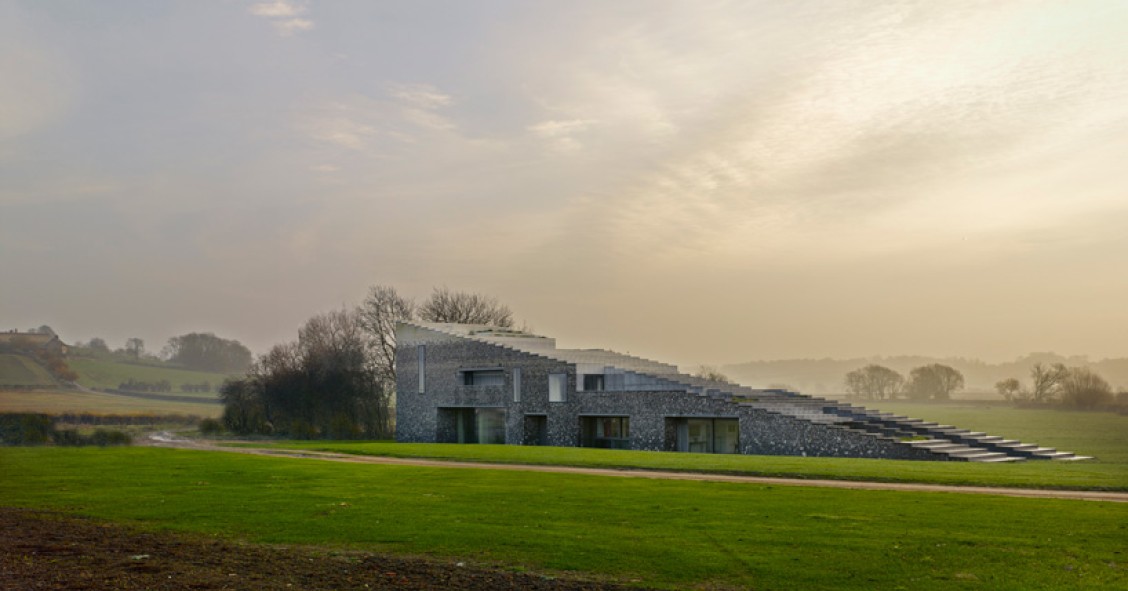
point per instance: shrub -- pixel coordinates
(210, 427)
(25, 429)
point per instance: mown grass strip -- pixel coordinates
(1103, 435)
(667, 533)
(1089, 475)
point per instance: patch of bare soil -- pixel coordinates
(48, 551)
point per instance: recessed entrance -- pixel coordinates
(708, 435)
(605, 432)
(474, 425)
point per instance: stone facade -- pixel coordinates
(431, 413)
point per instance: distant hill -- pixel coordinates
(21, 371)
(826, 376)
(111, 373)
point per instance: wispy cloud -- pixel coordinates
(423, 96)
(283, 16)
(276, 9)
(562, 134)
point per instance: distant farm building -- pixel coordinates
(32, 341)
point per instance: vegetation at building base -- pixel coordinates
(41, 429)
(338, 379)
(675, 534)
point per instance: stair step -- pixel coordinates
(1004, 458)
(1013, 445)
(1052, 455)
(983, 456)
(927, 443)
(971, 452)
(951, 448)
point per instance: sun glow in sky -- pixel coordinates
(689, 181)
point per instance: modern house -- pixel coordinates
(462, 383)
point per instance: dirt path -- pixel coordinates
(167, 440)
(49, 551)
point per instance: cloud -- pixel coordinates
(290, 26)
(278, 8)
(283, 16)
(423, 96)
(562, 134)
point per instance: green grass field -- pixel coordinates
(105, 373)
(19, 370)
(1103, 435)
(1100, 434)
(667, 533)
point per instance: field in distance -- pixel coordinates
(106, 374)
(20, 370)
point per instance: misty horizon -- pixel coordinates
(697, 183)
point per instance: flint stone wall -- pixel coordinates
(652, 414)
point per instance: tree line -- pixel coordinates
(927, 382)
(199, 351)
(1072, 387)
(338, 379)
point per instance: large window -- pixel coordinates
(593, 382)
(483, 377)
(716, 436)
(605, 432)
(557, 387)
(479, 425)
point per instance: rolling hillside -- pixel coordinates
(22, 372)
(109, 374)
(25, 386)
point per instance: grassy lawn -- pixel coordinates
(668, 533)
(19, 370)
(1095, 475)
(1102, 435)
(105, 373)
(56, 402)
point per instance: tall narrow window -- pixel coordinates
(516, 384)
(421, 351)
(557, 386)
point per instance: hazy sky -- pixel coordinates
(689, 181)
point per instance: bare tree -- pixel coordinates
(379, 313)
(1046, 381)
(708, 372)
(1009, 388)
(874, 382)
(1082, 388)
(463, 307)
(934, 381)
